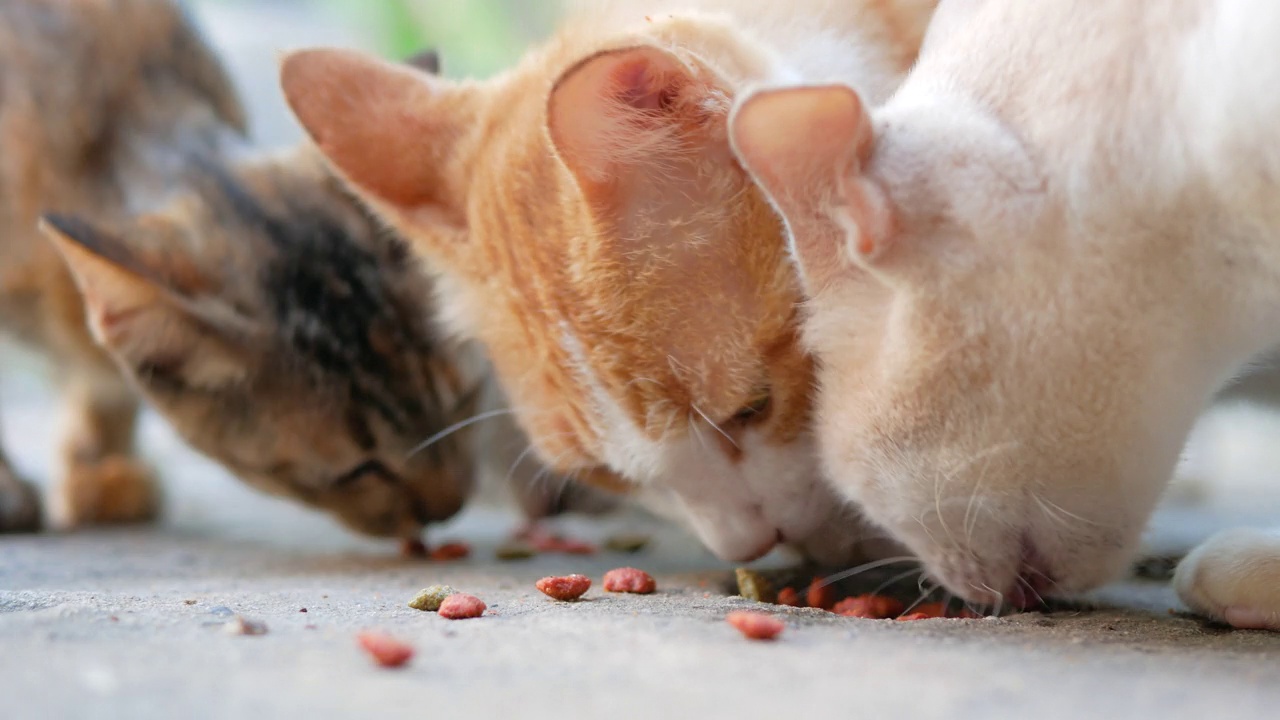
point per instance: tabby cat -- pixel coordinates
(102, 148)
(263, 312)
(279, 330)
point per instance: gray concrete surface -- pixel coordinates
(129, 623)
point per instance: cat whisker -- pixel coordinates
(924, 595)
(545, 473)
(461, 425)
(896, 579)
(1048, 506)
(999, 604)
(693, 428)
(636, 380)
(519, 459)
(867, 567)
(717, 427)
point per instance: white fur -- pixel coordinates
(1087, 247)
(739, 509)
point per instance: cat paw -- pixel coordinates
(1234, 578)
(19, 504)
(115, 490)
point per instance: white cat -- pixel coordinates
(1030, 271)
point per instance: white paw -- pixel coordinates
(1234, 577)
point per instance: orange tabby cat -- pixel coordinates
(100, 105)
(592, 227)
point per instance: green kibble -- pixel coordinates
(629, 544)
(515, 551)
(429, 599)
(753, 586)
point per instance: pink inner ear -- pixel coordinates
(640, 87)
(380, 124)
(616, 111)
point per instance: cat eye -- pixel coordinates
(755, 411)
(368, 467)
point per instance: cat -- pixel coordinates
(177, 293)
(1029, 272)
(104, 148)
(275, 325)
(588, 223)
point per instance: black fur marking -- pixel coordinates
(162, 374)
(329, 283)
(95, 241)
(368, 468)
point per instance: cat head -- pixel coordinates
(595, 232)
(998, 387)
(268, 318)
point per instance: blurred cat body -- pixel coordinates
(101, 104)
(267, 316)
(589, 224)
(281, 331)
(1030, 271)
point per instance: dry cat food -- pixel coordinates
(384, 649)
(568, 587)
(755, 625)
(515, 550)
(871, 607)
(820, 595)
(413, 548)
(451, 551)
(543, 541)
(789, 597)
(932, 610)
(629, 580)
(627, 544)
(430, 599)
(574, 547)
(754, 586)
(461, 606)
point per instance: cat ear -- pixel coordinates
(139, 311)
(806, 147)
(622, 120)
(389, 129)
(427, 61)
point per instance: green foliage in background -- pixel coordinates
(476, 38)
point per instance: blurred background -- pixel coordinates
(476, 38)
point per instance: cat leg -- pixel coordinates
(103, 481)
(19, 501)
(1235, 577)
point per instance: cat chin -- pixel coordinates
(742, 508)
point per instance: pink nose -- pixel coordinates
(1034, 581)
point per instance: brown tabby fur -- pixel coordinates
(264, 313)
(593, 229)
(274, 324)
(100, 148)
